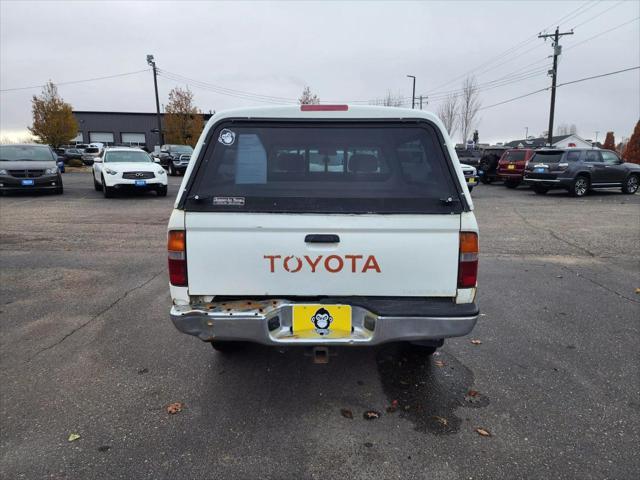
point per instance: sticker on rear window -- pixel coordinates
(227, 137)
(229, 201)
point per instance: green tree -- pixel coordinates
(183, 121)
(53, 121)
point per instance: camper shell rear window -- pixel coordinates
(324, 167)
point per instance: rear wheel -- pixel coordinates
(540, 190)
(630, 185)
(580, 186)
(172, 171)
(511, 183)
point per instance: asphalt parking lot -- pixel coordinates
(87, 348)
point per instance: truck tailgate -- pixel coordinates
(256, 254)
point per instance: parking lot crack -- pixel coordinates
(553, 234)
(595, 282)
(98, 315)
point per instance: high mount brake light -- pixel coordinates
(324, 108)
(468, 262)
(177, 249)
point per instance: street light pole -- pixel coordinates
(152, 63)
(413, 95)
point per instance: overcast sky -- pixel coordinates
(345, 51)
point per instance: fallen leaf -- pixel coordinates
(346, 413)
(472, 396)
(104, 448)
(638, 291)
(143, 370)
(371, 415)
(483, 432)
(441, 420)
(476, 342)
(175, 408)
(73, 437)
(393, 407)
(439, 363)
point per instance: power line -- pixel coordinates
(602, 33)
(560, 85)
(76, 81)
(599, 14)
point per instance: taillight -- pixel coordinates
(323, 108)
(468, 263)
(177, 247)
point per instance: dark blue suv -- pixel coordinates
(579, 170)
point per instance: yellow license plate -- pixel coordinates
(471, 181)
(326, 321)
(511, 167)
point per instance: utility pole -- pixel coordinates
(557, 50)
(526, 132)
(413, 96)
(152, 63)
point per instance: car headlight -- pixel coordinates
(51, 171)
(3, 172)
(110, 172)
(161, 171)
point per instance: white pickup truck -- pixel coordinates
(323, 225)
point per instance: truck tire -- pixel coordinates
(511, 183)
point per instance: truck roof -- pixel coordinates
(350, 111)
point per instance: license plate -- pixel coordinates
(471, 181)
(322, 321)
(511, 167)
(538, 170)
(28, 182)
(141, 183)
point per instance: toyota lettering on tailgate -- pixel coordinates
(330, 263)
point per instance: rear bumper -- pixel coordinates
(549, 182)
(510, 175)
(269, 322)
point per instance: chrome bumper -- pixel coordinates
(269, 323)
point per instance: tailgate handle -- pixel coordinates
(321, 238)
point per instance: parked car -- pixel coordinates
(579, 170)
(73, 154)
(470, 175)
(126, 168)
(29, 167)
(469, 156)
(512, 164)
(489, 163)
(170, 157)
(316, 225)
(90, 154)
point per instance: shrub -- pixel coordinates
(75, 162)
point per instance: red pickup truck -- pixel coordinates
(512, 164)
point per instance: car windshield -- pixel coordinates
(553, 156)
(19, 153)
(126, 156)
(181, 148)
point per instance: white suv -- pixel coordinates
(324, 225)
(122, 168)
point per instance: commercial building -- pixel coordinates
(120, 128)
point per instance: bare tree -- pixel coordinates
(448, 112)
(308, 98)
(389, 100)
(470, 104)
